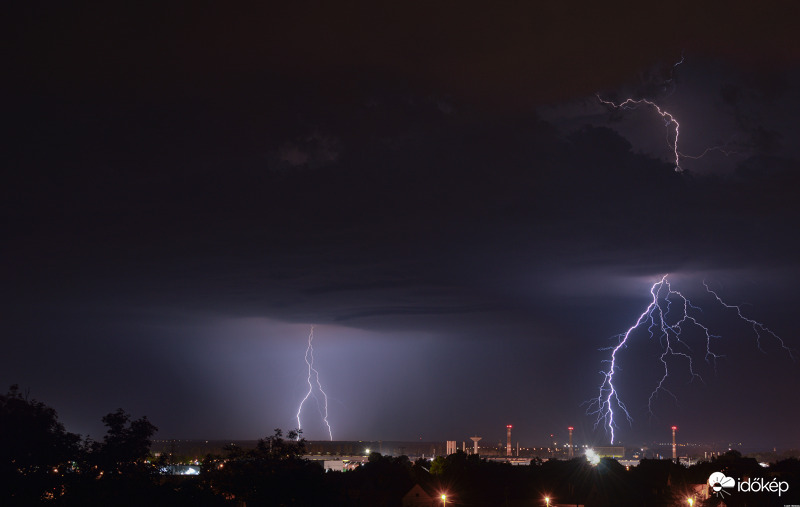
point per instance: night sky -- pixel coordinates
(434, 185)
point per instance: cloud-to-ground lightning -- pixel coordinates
(312, 372)
(660, 323)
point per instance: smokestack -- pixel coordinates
(508, 441)
(476, 440)
(571, 453)
(674, 448)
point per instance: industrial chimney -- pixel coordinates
(674, 448)
(571, 453)
(508, 441)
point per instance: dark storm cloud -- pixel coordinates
(447, 191)
(383, 169)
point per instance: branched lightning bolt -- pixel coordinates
(668, 329)
(672, 72)
(309, 357)
(758, 327)
(669, 121)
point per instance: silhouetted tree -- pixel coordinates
(35, 449)
(383, 480)
(275, 447)
(126, 444)
(272, 473)
(438, 465)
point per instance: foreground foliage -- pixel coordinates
(42, 463)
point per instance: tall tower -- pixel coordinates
(476, 440)
(571, 453)
(674, 448)
(508, 441)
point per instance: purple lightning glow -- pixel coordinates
(668, 330)
(669, 122)
(758, 327)
(309, 357)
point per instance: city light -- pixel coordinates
(592, 457)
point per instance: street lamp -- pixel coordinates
(547, 501)
(691, 501)
(444, 499)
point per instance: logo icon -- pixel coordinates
(719, 482)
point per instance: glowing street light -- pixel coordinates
(547, 501)
(444, 499)
(691, 501)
